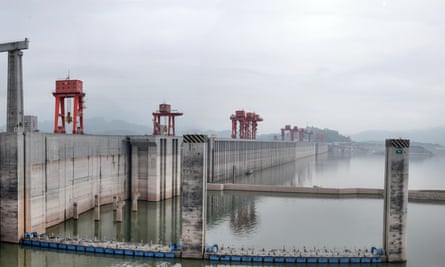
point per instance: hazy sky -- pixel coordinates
(346, 65)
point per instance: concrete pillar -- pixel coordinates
(134, 201)
(96, 208)
(194, 195)
(75, 211)
(119, 211)
(395, 199)
(14, 119)
(115, 201)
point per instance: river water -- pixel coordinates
(259, 220)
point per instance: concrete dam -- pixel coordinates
(46, 179)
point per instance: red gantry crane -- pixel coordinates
(291, 130)
(166, 112)
(65, 91)
(248, 124)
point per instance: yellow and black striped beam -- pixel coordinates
(195, 138)
(397, 143)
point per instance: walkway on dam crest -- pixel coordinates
(413, 195)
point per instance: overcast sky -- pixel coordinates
(345, 65)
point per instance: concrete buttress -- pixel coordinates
(194, 187)
(396, 199)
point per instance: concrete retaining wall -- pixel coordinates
(231, 158)
(156, 167)
(65, 169)
(46, 179)
(12, 216)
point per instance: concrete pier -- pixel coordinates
(396, 199)
(119, 211)
(96, 208)
(75, 211)
(134, 201)
(194, 195)
(15, 115)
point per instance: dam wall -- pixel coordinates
(46, 179)
(66, 170)
(155, 167)
(231, 158)
(12, 187)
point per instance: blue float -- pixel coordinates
(355, 260)
(268, 259)
(148, 254)
(246, 258)
(257, 259)
(376, 260)
(235, 258)
(119, 251)
(109, 251)
(138, 253)
(291, 259)
(128, 252)
(334, 260)
(311, 260)
(213, 257)
(322, 260)
(159, 255)
(225, 258)
(279, 259)
(344, 260)
(366, 260)
(301, 260)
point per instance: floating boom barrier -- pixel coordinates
(102, 247)
(374, 255)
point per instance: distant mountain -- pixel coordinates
(99, 125)
(432, 135)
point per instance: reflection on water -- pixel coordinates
(157, 222)
(258, 220)
(296, 173)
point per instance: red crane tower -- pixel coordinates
(248, 124)
(166, 112)
(301, 133)
(291, 130)
(68, 89)
(255, 120)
